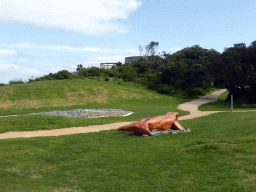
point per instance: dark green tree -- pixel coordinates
(198, 76)
(236, 70)
(151, 48)
(79, 67)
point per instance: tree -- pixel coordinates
(251, 77)
(79, 67)
(236, 70)
(140, 49)
(198, 76)
(163, 54)
(119, 64)
(142, 66)
(173, 72)
(151, 48)
(229, 70)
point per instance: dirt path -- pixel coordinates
(191, 106)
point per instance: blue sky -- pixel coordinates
(41, 37)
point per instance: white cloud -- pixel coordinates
(22, 60)
(15, 71)
(16, 68)
(19, 70)
(92, 17)
(55, 47)
(7, 53)
(69, 48)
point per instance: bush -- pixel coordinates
(194, 91)
(165, 88)
(112, 73)
(40, 79)
(2, 84)
(83, 73)
(151, 79)
(48, 77)
(106, 79)
(16, 82)
(143, 66)
(119, 64)
(127, 73)
(94, 71)
(64, 74)
(31, 80)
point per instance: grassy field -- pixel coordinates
(79, 94)
(218, 155)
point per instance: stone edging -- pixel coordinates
(83, 113)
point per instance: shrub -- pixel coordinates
(151, 79)
(48, 77)
(165, 88)
(119, 64)
(112, 73)
(94, 71)
(142, 66)
(64, 74)
(16, 82)
(40, 79)
(106, 79)
(194, 91)
(83, 73)
(127, 73)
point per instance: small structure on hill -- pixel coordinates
(107, 65)
(133, 59)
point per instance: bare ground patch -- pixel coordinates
(101, 95)
(6, 104)
(75, 95)
(19, 103)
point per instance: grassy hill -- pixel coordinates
(43, 96)
(218, 155)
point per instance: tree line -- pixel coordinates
(190, 71)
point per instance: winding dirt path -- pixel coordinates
(191, 106)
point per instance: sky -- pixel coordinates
(41, 37)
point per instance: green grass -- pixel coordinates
(223, 105)
(218, 155)
(79, 94)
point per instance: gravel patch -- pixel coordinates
(83, 113)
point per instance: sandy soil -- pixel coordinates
(191, 106)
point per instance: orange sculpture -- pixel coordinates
(160, 123)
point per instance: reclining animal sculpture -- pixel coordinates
(160, 123)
